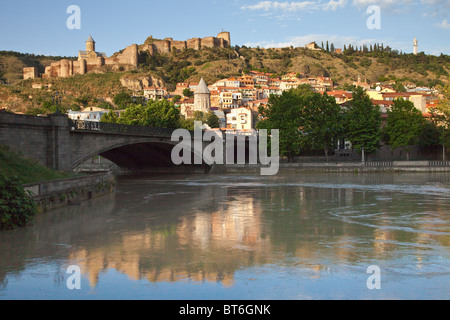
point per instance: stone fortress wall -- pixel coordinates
(168, 45)
(67, 68)
(90, 60)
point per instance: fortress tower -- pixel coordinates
(226, 37)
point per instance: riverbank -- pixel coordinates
(352, 167)
(54, 194)
(28, 171)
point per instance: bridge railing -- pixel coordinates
(92, 126)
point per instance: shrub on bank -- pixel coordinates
(16, 206)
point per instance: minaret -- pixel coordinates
(416, 46)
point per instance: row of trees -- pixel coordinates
(311, 121)
(162, 114)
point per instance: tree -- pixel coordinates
(284, 113)
(363, 123)
(322, 122)
(441, 118)
(403, 126)
(161, 114)
(110, 117)
(212, 120)
(176, 98)
(188, 93)
(123, 100)
(16, 206)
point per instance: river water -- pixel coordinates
(236, 237)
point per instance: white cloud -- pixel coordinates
(296, 6)
(283, 6)
(384, 4)
(437, 7)
(444, 25)
(301, 41)
(334, 5)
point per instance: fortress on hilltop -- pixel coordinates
(90, 59)
(168, 45)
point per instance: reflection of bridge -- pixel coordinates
(63, 144)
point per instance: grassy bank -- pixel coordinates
(28, 171)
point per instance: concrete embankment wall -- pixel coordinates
(60, 193)
(396, 166)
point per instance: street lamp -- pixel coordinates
(57, 98)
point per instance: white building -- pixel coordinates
(240, 119)
(88, 114)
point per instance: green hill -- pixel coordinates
(377, 64)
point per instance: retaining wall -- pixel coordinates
(60, 193)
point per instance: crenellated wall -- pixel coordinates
(168, 44)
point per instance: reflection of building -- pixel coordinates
(205, 243)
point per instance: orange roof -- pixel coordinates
(378, 102)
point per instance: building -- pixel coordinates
(341, 96)
(312, 46)
(89, 60)
(240, 119)
(155, 93)
(360, 83)
(30, 73)
(88, 114)
(416, 46)
(202, 97)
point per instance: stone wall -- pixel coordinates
(67, 68)
(168, 44)
(60, 193)
(45, 139)
(30, 73)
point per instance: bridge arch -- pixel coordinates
(133, 153)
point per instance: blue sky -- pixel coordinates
(40, 26)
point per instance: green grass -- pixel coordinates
(28, 171)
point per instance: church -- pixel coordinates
(88, 60)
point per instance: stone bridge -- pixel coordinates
(63, 144)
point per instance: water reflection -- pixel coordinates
(205, 229)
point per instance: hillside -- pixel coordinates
(213, 64)
(12, 64)
(29, 171)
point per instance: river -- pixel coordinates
(241, 237)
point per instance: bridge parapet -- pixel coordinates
(112, 128)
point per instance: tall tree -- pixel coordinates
(322, 122)
(363, 123)
(109, 117)
(284, 113)
(403, 126)
(441, 117)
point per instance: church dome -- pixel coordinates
(202, 88)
